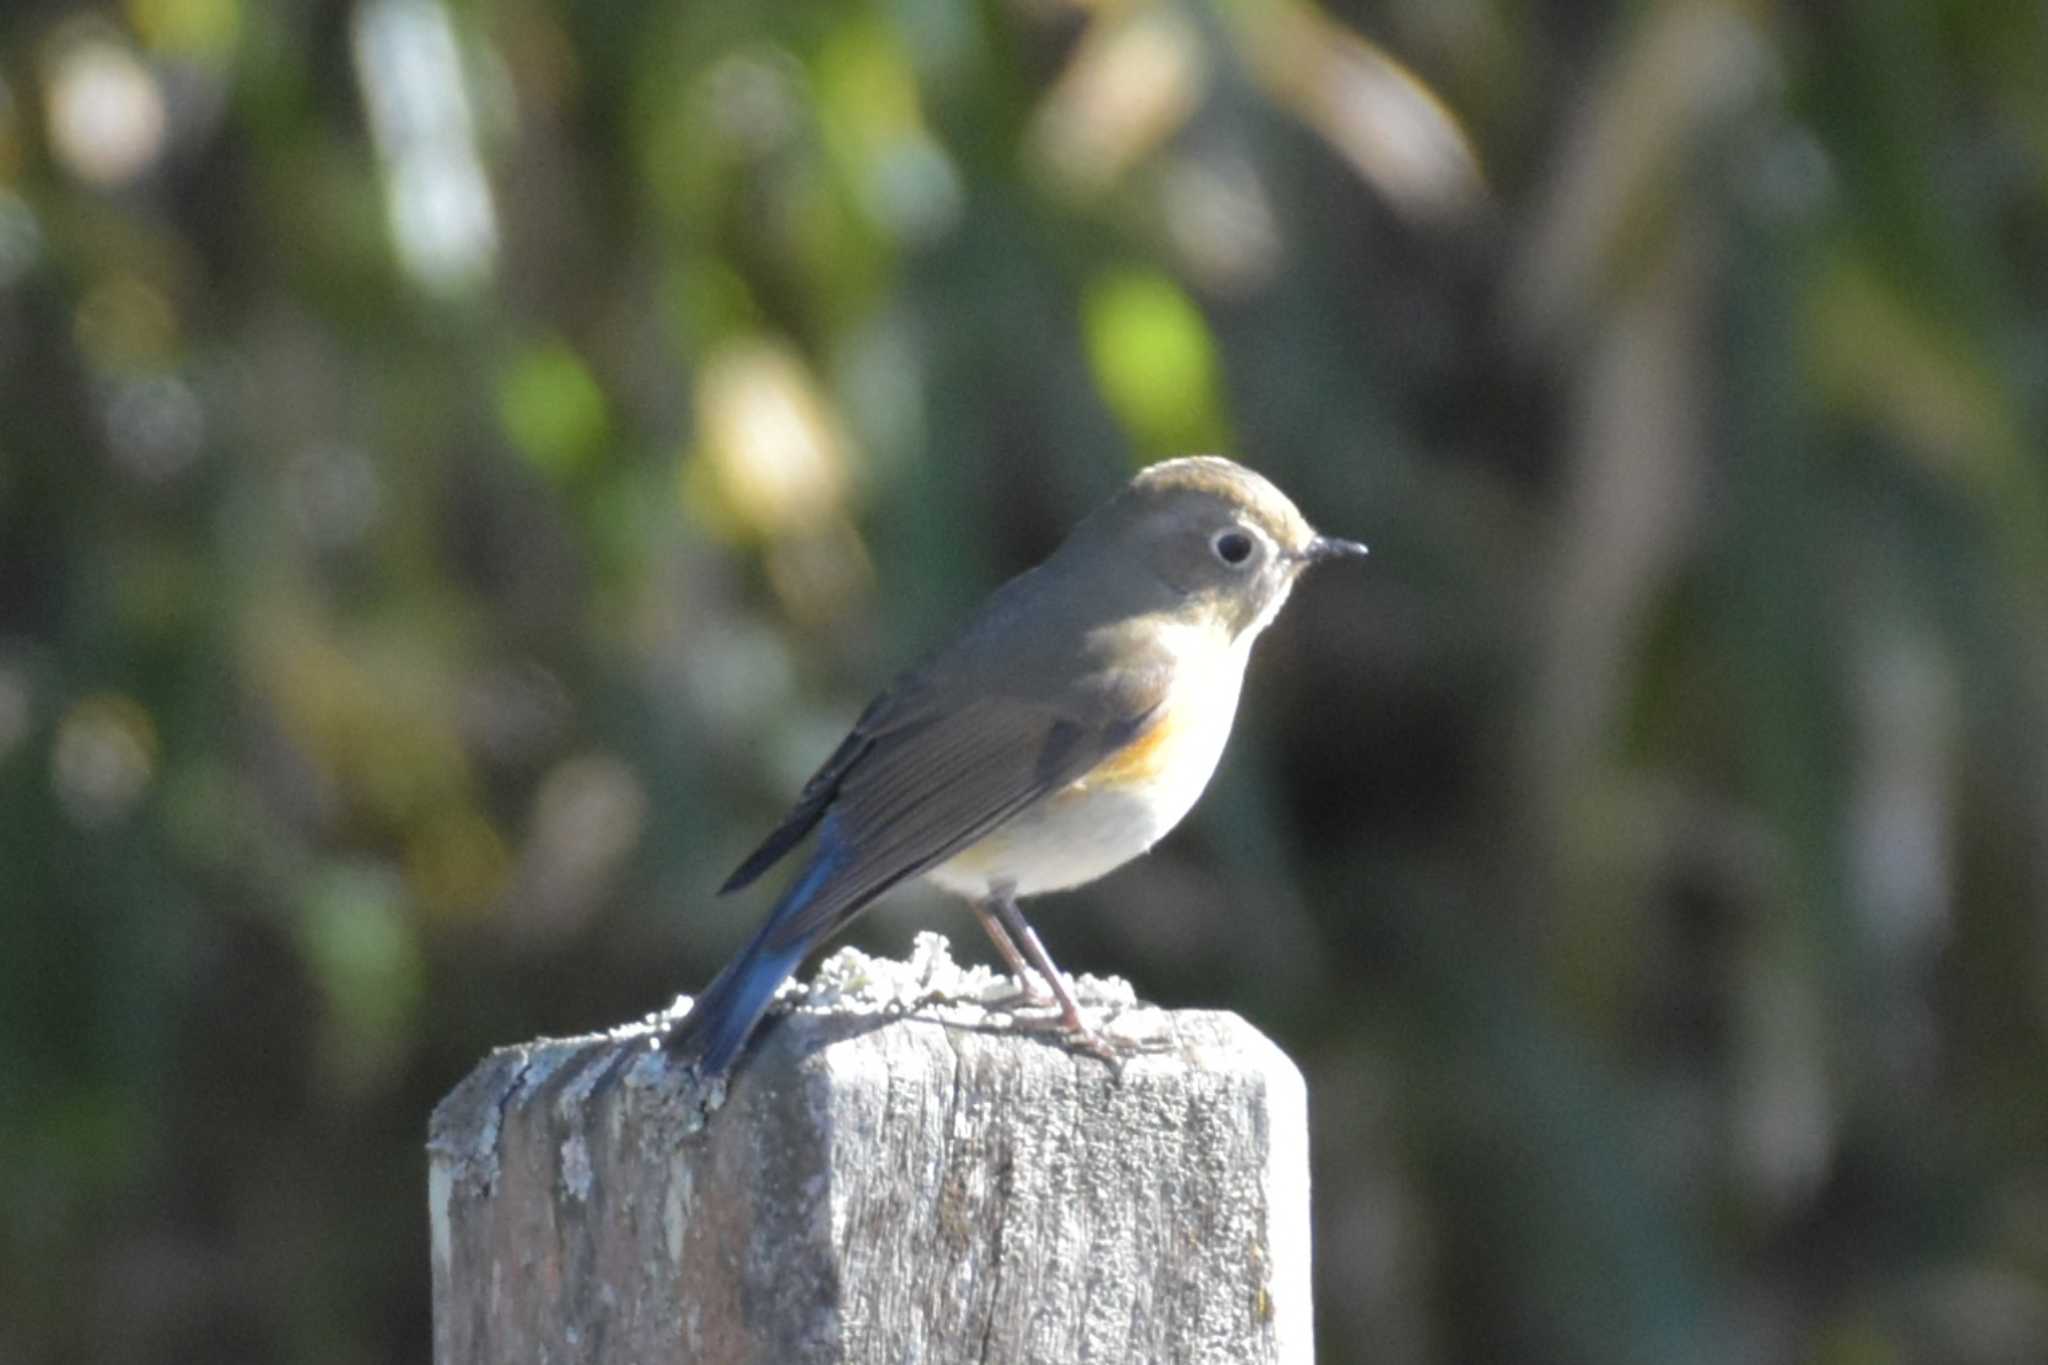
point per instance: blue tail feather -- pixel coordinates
(721, 1020)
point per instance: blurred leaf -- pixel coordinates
(1154, 361)
(205, 30)
(360, 946)
(1872, 353)
(1677, 74)
(456, 862)
(1372, 110)
(552, 408)
(1136, 77)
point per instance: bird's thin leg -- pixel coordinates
(1003, 905)
(1019, 968)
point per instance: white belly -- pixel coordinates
(1105, 819)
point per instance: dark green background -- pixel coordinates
(401, 636)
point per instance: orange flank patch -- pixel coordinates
(1145, 759)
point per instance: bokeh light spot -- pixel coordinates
(21, 238)
(155, 426)
(17, 706)
(125, 322)
(333, 494)
(105, 113)
(409, 65)
(103, 759)
(771, 439)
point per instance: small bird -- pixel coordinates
(1071, 723)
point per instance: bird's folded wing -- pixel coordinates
(808, 810)
(933, 783)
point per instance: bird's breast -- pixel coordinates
(1170, 761)
(1124, 804)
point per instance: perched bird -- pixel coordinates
(1071, 723)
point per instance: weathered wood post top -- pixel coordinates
(900, 1173)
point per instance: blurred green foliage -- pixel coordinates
(461, 465)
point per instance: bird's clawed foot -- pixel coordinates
(1032, 966)
(1074, 1033)
(1029, 995)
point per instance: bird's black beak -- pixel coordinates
(1329, 547)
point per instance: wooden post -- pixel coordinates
(935, 1187)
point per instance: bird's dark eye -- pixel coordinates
(1232, 547)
